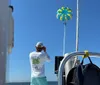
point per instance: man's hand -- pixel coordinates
(44, 48)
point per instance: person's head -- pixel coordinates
(39, 46)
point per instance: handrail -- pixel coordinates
(66, 58)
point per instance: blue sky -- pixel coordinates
(35, 20)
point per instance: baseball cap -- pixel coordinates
(39, 44)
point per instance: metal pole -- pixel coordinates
(77, 25)
(77, 32)
(64, 39)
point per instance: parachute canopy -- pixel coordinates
(64, 14)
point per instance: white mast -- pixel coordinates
(73, 61)
(77, 32)
(77, 25)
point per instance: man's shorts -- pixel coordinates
(39, 81)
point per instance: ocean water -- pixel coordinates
(27, 83)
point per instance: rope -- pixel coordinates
(64, 39)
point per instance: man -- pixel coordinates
(37, 60)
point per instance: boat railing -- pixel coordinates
(66, 58)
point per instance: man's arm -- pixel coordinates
(47, 57)
(46, 54)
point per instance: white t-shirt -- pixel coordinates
(37, 60)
